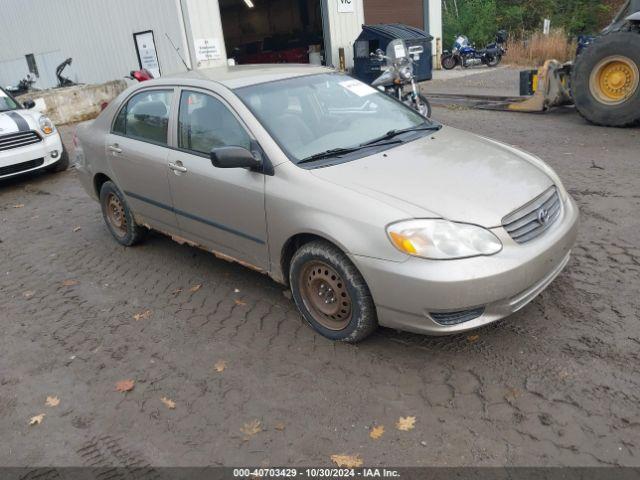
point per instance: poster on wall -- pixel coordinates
(207, 49)
(146, 50)
(346, 6)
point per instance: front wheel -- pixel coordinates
(331, 294)
(419, 104)
(449, 62)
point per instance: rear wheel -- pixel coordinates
(118, 216)
(605, 81)
(494, 61)
(331, 294)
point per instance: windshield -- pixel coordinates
(6, 102)
(320, 113)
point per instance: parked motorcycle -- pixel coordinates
(141, 75)
(466, 55)
(398, 73)
(25, 85)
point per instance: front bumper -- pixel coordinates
(41, 150)
(406, 293)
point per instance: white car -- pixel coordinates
(28, 140)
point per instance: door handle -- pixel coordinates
(177, 167)
(114, 148)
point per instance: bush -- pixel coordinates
(538, 48)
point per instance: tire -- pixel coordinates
(494, 61)
(426, 110)
(448, 62)
(118, 217)
(61, 165)
(594, 97)
(331, 294)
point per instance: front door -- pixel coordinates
(138, 153)
(221, 209)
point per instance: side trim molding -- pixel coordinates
(197, 218)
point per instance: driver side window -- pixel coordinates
(205, 123)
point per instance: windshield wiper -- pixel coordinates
(335, 152)
(394, 133)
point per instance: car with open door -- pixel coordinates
(371, 213)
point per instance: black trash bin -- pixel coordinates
(374, 37)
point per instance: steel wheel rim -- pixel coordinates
(325, 295)
(614, 80)
(116, 215)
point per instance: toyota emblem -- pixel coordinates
(543, 216)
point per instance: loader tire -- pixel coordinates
(605, 81)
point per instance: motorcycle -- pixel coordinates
(25, 85)
(398, 73)
(141, 75)
(465, 54)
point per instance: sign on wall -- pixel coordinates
(346, 6)
(147, 54)
(207, 49)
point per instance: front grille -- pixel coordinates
(456, 318)
(534, 218)
(20, 139)
(21, 167)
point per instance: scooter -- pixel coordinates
(141, 75)
(25, 85)
(465, 54)
(398, 73)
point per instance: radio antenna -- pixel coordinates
(177, 52)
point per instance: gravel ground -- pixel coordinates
(558, 383)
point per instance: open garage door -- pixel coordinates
(273, 31)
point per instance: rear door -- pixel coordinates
(222, 209)
(137, 149)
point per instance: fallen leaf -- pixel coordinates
(52, 402)
(70, 283)
(220, 365)
(145, 315)
(406, 423)
(252, 428)
(168, 402)
(125, 385)
(239, 302)
(77, 229)
(177, 291)
(279, 426)
(473, 338)
(376, 432)
(37, 420)
(195, 288)
(28, 293)
(347, 461)
(19, 205)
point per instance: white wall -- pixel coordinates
(343, 28)
(97, 34)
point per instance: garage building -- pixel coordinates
(105, 40)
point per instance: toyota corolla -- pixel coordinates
(370, 213)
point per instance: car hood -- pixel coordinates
(15, 121)
(451, 174)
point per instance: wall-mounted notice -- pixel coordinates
(146, 51)
(207, 49)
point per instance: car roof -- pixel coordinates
(238, 76)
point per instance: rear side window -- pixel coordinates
(145, 116)
(205, 123)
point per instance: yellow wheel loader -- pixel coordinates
(603, 82)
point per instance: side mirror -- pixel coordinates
(28, 104)
(234, 157)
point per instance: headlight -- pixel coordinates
(443, 240)
(406, 72)
(46, 125)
